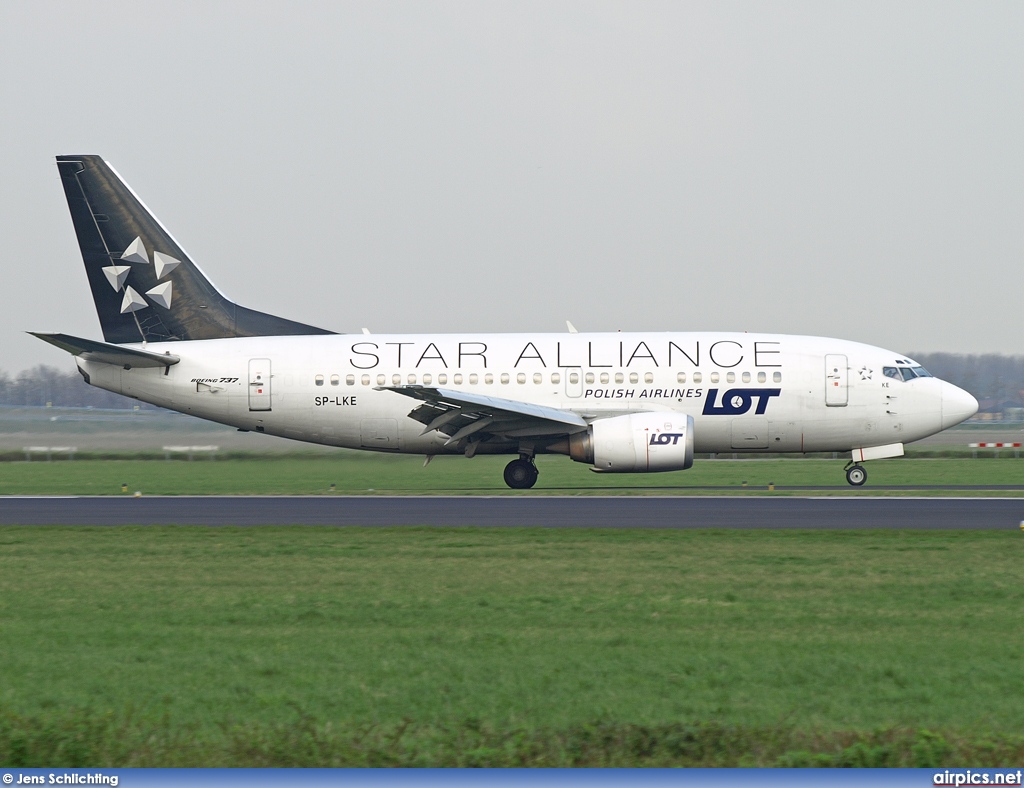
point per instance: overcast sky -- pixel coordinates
(847, 169)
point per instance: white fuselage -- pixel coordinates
(745, 392)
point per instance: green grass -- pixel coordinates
(387, 474)
(323, 646)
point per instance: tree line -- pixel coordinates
(987, 376)
(44, 384)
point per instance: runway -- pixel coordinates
(507, 511)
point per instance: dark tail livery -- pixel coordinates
(144, 285)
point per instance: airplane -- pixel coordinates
(632, 402)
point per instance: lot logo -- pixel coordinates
(736, 402)
(666, 438)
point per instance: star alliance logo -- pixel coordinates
(865, 373)
(117, 275)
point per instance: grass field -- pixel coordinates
(323, 646)
(387, 474)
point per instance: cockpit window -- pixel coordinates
(906, 373)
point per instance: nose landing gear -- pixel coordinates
(521, 474)
(855, 474)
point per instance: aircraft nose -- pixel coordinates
(957, 405)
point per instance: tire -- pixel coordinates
(856, 476)
(520, 474)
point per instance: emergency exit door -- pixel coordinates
(836, 382)
(259, 384)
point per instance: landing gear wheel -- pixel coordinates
(856, 475)
(520, 474)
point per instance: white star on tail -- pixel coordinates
(136, 252)
(116, 274)
(132, 302)
(161, 294)
(164, 264)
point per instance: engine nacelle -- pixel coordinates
(635, 443)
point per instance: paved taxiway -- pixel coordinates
(546, 511)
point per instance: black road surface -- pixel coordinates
(550, 512)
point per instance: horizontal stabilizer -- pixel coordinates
(105, 353)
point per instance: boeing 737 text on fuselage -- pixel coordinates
(622, 402)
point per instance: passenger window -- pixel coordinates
(634, 378)
(319, 380)
(396, 380)
(681, 377)
(427, 379)
(335, 380)
(618, 377)
(648, 377)
(604, 377)
(574, 377)
(697, 377)
(538, 378)
(442, 379)
(381, 380)
(488, 378)
(714, 377)
(411, 380)
(777, 377)
(746, 377)
(365, 380)
(589, 377)
(521, 378)
(457, 378)
(730, 377)
(761, 377)
(556, 378)
(504, 378)
(473, 379)
(350, 380)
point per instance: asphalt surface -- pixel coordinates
(551, 512)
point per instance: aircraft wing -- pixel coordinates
(460, 414)
(106, 353)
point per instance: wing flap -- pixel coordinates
(460, 414)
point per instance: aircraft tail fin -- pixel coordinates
(146, 288)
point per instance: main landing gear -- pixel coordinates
(855, 474)
(521, 474)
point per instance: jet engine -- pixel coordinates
(635, 443)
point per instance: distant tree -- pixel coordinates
(42, 384)
(988, 376)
